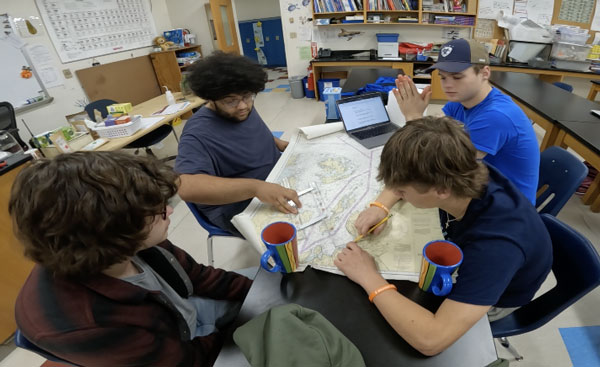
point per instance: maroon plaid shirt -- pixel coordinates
(104, 321)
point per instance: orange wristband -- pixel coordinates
(376, 292)
(380, 205)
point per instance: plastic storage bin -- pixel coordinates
(308, 93)
(387, 37)
(569, 51)
(326, 83)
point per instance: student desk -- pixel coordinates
(565, 116)
(146, 109)
(347, 307)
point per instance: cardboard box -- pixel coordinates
(79, 141)
(119, 108)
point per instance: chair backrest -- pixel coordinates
(565, 86)
(576, 267)
(562, 172)
(99, 105)
(22, 342)
(8, 122)
(205, 223)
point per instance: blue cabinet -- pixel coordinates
(274, 48)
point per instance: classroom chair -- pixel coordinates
(22, 342)
(561, 173)
(146, 141)
(565, 86)
(211, 229)
(8, 122)
(576, 267)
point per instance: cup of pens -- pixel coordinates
(282, 246)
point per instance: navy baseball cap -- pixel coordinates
(460, 54)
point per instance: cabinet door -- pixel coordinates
(15, 267)
(274, 47)
(247, 36)
(167, 70)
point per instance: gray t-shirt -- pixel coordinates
(219, 147)
(150, 280)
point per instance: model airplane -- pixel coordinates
(348, 35)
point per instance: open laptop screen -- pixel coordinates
(362, 112)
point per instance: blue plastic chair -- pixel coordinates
(565, 86)
(211, 229)
(22, 342)
(561, 173)
(576, 267)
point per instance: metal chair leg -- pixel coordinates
(504, 342)
(209, 250)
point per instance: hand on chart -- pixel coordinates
(357, 264)
(368, 218)
(411, 102)
(278, 197)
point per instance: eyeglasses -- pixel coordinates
(163, 214)
(233, 102)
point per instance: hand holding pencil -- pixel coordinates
(361, 236)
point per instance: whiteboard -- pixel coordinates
(81, 29)
(18, 90)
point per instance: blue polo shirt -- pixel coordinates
(213, 145)
(500, 128)
(507, 249)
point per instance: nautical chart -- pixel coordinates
(342, 175)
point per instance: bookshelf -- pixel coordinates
(436, 13)
(167, 68)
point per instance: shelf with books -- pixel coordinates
(321, 7)
(393, 11)
(448, 13)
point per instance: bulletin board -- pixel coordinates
(84, 29)
(22, 93)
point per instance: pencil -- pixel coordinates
(360, 237)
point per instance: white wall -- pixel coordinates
(256, 9)
(50, 116)
(191, 14)
(295, 65)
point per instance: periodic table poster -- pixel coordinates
(82, 29)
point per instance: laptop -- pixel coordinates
(366, 120)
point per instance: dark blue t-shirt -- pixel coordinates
(507, 249)
(213, 145)
(500, 128)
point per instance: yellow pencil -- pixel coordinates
(360, 237)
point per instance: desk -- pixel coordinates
(548, 75)
(565, 117)
(347, 307)
(15, 267)
(146, 109)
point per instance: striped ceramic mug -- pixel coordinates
(282, 247)
(440, 259)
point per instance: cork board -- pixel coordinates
(130, 80)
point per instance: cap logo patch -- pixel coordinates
(446, 50)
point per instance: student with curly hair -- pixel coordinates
(431, 163)
(226, 151)
(108, 288)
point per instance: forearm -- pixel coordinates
(212, 190)
(281, 144)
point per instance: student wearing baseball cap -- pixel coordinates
(499, 129)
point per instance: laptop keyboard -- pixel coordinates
(379, 130)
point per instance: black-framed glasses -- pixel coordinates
(233, 102)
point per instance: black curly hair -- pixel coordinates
(222, 74)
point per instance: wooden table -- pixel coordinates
(346, 306)
(547, 75)
(146, 109)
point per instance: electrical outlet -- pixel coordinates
(67, 73)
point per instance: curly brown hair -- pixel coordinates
(433, 152)
(80, 213)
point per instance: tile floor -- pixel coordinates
(541, 348)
